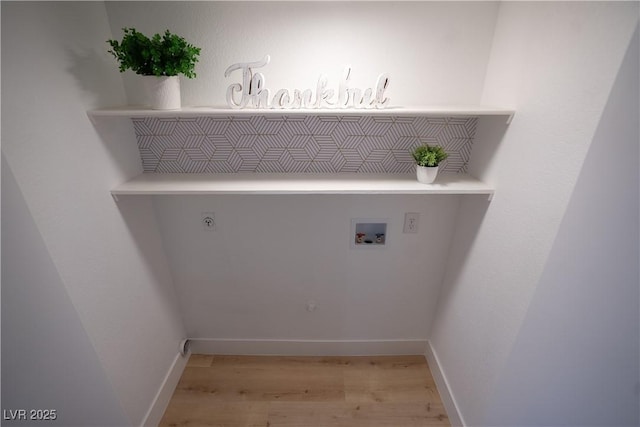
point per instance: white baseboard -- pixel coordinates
(168, 386)
(308, 347)
(450, 405)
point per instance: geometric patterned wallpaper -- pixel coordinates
(299, 143)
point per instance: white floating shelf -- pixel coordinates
(254, 183)
(434, 111)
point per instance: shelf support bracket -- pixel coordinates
(115, 197)
(510, 118)
(92, 118)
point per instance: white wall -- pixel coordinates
(435, 52)
(556, 63)
(48, 361)
(108, 258)
(252, 278)
(575, 361)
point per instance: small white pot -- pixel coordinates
(426, 175)
(163, 92)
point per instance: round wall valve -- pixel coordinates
(208, 221)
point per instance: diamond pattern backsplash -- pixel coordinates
(299, 144)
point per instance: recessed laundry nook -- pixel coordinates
(301, 213)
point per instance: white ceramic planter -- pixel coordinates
(426, 175)
(163, 93)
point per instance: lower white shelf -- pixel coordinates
(254, 183)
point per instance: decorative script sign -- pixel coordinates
(252, 92)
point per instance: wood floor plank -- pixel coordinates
(299, 414)
(397, 414)
(200, 361)
(202, 411)
(246, 382)
(306, 391)
(389, 379)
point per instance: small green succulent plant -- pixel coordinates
(429, 155)
(160, 55)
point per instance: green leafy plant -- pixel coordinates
(429, 155)
(166, 55)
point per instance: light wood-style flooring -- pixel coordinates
(274, 391)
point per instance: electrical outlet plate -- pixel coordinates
(411, 222)
(208, 220)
